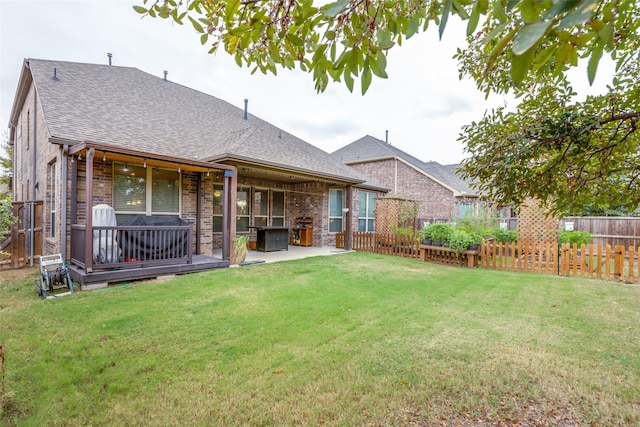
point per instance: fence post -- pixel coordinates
(618, 263)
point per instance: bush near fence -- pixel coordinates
(589, 261)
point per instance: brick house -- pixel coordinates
(441, 194)
(87, 135)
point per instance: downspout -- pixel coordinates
(63, 201)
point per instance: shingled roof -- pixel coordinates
(128, 108)
(369, 148)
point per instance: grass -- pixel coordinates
(354, 339)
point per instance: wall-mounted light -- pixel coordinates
(179, 169)
(144, 165)
(217, 177)
(104, 157)
(79, 157)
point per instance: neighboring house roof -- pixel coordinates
(128, 108)
(368, 149)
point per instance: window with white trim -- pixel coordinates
(366, 209)
(335, 210)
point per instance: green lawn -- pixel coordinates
(353, 339)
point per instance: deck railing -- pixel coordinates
(132, 246)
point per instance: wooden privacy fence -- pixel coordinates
(589, 261)
(23, 241)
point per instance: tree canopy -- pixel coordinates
(566, 153)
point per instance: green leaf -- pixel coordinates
(561, 7)
(230, 9)
(141, 10)
(196, 25)
(333, 9)
(473, 19)
(413, 26)
(366, 77)
(498, 11)
(499, 48)
(383, 37)
(348, 80)
(204, 38)
(460, 10)
(520, 64)
(580, 15)
(594, 60)
(446, 10)
(528, 36)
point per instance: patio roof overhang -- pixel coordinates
(126, 155)
(286, 173)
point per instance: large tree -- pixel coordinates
(551, 147)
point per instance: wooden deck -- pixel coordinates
(139, 271)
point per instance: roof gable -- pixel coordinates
(368, 149)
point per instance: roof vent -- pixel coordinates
(109, 55)
(165, 75)
(386, 138)
(246, 108)
(55, 74)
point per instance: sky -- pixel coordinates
(422, 104)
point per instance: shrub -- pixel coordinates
(459, 240)
(505, 236)
(575, 237)
(425, 233)
(441, 232)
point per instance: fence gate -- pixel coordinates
(23, 242)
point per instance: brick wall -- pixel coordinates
(436, 201)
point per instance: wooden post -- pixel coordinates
(348, 241)
(229, 199)
(88, 234)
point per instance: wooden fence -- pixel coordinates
(612, 231)
(24, 238)
(589, 261)
(383, 243)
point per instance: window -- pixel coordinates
(51, 193)
(335, 210)
(145, 191)
(466, 210)
(366, 209)
(242, 210)
(260, 207)
(267, 207)
(277, 209)
(217, 208)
